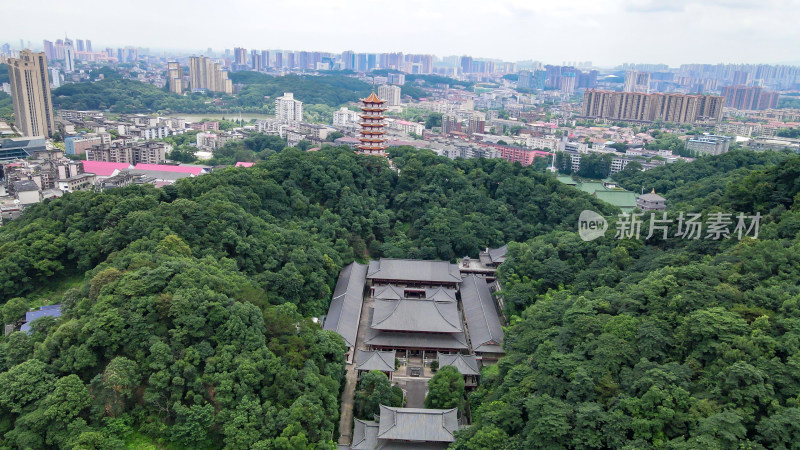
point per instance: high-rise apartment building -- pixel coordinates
(240, 56)
(568, 82)
(524, 79)
(390, 93)
(749, 97)
(466, 64)
(49, 50)
(175, 77)
(348, 60)
(740, 77)
(255, 60)
(288, 110)
(88, 45)
(396, 78)
(265, 59)
(636, 81)
(30, 94)
(206, 74)
(640, 107)
(80, 46)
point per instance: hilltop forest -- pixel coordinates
(190, 324)
(666, 343)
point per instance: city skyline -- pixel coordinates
(620, 31)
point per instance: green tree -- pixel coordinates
(375, 389)
(446, 389)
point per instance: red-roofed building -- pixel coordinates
(169, 168)
(244, 164)
(103, 169)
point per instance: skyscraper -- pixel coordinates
(206, 74)
(69, 56)
(30, 94)
(88, 45)
(79, 44)
(175, 77)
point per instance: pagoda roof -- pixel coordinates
(373, 99)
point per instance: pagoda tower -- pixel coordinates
(372, 126)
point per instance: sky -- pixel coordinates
(606, 32)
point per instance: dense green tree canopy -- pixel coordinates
(192, 323)
(446, 389)
(669, 344)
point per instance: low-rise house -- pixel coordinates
(27, 192)
(44, 311)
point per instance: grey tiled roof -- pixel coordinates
(650, 197)
(412, 424)
(454, 341)
(375, 360)
(449, 341)
(480, 313)
(416, 315)
(365, 435)
(345, 309)
(441, 294)
(394, 292)
(466, 364)
(498, 255)
(390, 292)
(414, 270)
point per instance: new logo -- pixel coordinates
(591, 225)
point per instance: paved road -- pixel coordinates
(346, 411)
(415, 393)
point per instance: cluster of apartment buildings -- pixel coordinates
(643, 108)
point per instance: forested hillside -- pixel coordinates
(257, 95)
(193, 323)
(679, 344)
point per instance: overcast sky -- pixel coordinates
(606, 32)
